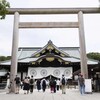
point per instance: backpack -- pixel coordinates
(44, 82)
(17, 79)
(63, 81)
(31, 81)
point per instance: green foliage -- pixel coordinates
(3, 8)
(3, 58)
(94, 55)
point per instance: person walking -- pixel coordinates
(54, 85)
(43, 85)
(26, 85)
(58, 84)
(51, 83)
(63, 84)
(31, 82)
(17, 83)
(38, 83)
(81, 84)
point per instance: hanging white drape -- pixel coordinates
(41, 72)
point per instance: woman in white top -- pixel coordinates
(58, 84)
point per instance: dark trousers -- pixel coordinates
(54, 89)
(57, 87)
(31, 88)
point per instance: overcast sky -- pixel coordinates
(60, 37)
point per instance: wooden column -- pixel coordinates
(13, 69)
(84, 68)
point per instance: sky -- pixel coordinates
(68, 37)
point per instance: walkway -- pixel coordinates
(71, 94)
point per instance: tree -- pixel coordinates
(94, 55)
(4, 58)
(3, 8)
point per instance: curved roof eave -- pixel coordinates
(7, 62)
(55, 56)
(92, 62)
(50, 43)
(68, 59)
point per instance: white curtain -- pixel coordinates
(41, 72)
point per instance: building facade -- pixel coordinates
(48, 61)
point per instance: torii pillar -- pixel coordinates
(13, 69)
(84, 68)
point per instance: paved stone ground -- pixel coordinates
(71, 94)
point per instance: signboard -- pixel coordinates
(88, 86)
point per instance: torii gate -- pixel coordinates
(79, 24)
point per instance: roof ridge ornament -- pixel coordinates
(50, 42)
